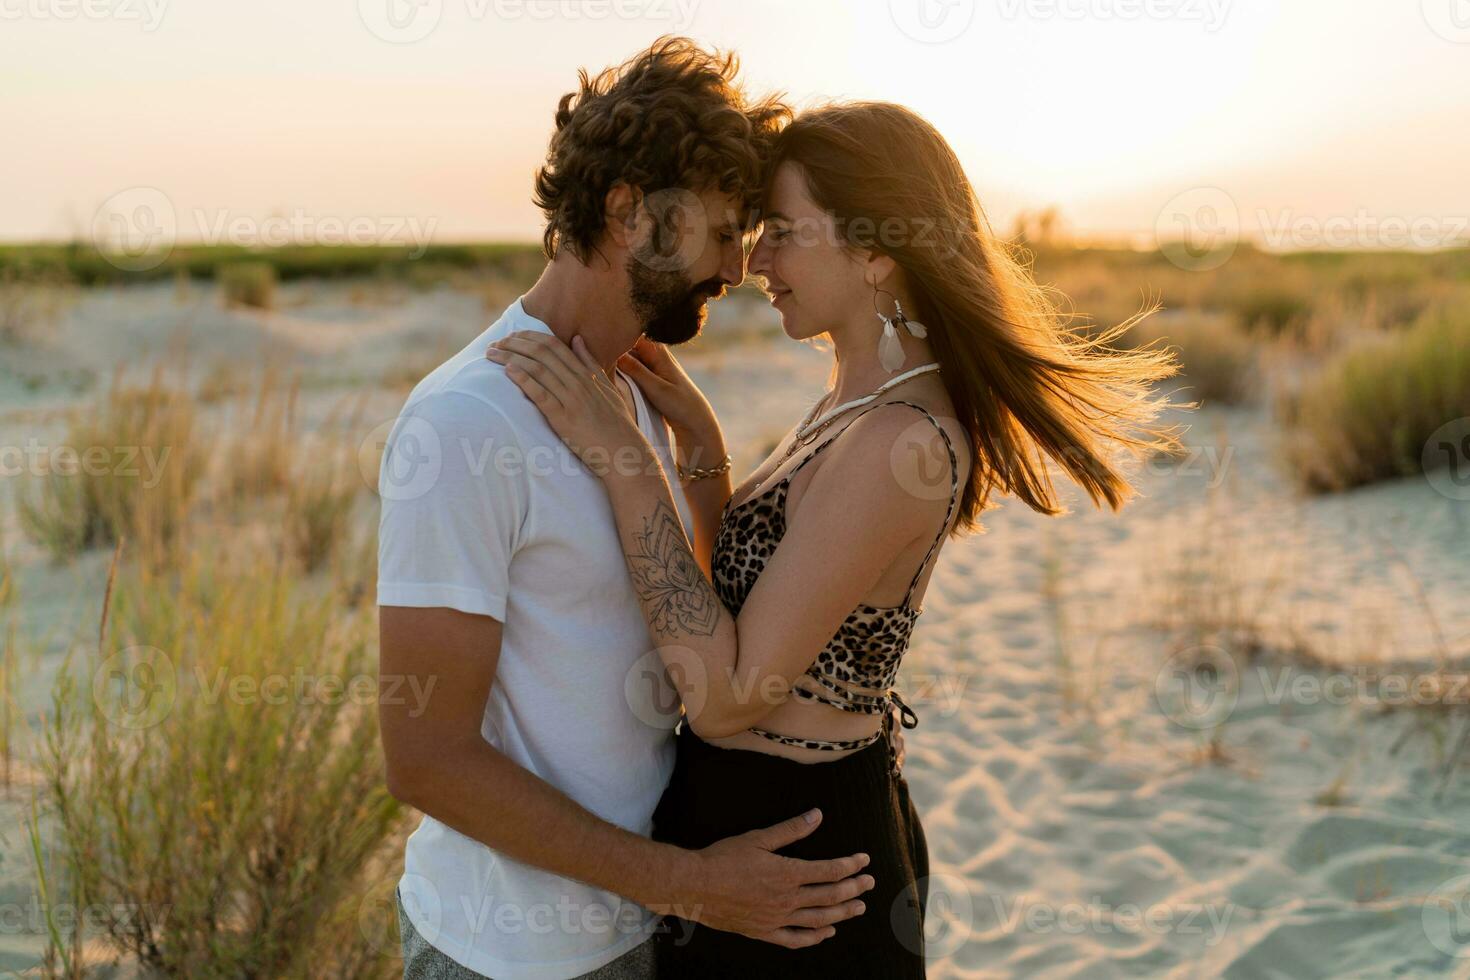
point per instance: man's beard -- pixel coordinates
(671, 308)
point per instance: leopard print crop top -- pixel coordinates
(855, 671)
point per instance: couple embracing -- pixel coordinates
(574, 826)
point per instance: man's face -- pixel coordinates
(688, 251)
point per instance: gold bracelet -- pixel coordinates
(698, 473)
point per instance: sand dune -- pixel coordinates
(1081, 822)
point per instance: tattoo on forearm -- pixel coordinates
(668, 579)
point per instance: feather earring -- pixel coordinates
(890, 347)
(914, 326)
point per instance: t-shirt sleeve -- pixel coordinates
(455, 504)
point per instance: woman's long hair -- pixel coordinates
(1025, 383)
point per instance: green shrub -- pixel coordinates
(1217, 358)
(258, 456)
(319, 515)
(248, 284)
(7, 574)
(31, 299)
(129, 467)
(1368, 414)
(1268, 306)
(85, 265)
(225, 824)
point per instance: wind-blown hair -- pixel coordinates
(1026, 384)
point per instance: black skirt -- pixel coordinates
(717, 792)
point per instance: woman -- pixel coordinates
(953, 376)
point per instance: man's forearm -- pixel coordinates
(481, 793)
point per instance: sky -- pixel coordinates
(1344, 122)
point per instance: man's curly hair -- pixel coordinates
(670, 117)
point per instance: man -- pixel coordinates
(547, 739)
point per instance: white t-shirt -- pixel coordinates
(485, 510)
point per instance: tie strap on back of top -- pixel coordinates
(907, 718)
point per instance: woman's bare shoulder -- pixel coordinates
(893, 464)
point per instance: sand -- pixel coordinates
(1082, 821)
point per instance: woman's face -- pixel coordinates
(814, 282)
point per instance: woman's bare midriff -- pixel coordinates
(803, 719)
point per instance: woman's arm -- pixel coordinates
(707, 496)
(851, 523)
(697, 438)
(855, 518)
(697, 638)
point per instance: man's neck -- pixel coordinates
(575, 299)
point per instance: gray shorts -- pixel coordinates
(422, 961)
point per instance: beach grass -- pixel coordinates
(1371, 411)
(242, 833)
(257, 456)
(129, 466)
(208, 766)
(213, 778)
(247, 283)
(1218, 359)
(32, 298)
